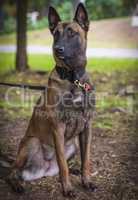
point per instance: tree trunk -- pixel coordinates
(2, 14)
(21, 54)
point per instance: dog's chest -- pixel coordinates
(76, 110)
(75, 124)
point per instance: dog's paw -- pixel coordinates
(19, 189)
(90, 186)
(69, 193)
(15, 185)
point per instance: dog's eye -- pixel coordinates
(71, 33)
(56, 34)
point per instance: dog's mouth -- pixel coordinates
(66, 59)
(62, 57)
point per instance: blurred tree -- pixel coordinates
(64, 9)
(40, 5)
(99, 9)
(21, 54)
(1, 15)
(129, 5)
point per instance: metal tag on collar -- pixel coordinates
(84, 86)
(87, 87)
(78, 84)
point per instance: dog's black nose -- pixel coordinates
(59, 49)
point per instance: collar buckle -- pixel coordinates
(85, 86)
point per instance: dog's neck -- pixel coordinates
(70, 75)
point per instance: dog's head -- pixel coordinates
(70, 38)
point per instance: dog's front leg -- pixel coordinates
(62, 163)
(85, 143)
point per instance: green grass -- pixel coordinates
(104, 124)
(112, 102)
(36, 62)
(100, 68)
(46, 63)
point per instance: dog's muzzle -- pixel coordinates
(59, 51)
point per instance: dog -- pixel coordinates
(61, 122)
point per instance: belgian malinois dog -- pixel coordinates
(62, 121)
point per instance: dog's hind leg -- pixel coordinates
(71, 148)
(14, 179)
(29, 164)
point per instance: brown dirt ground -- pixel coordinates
(107, 33)
(114, 157)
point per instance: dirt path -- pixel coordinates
(114, 155)
(91, 52)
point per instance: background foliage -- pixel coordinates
(98, 9)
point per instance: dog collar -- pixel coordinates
(85, 86)
(71, 75)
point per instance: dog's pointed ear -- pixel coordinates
(53, 18)
(81, 17)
